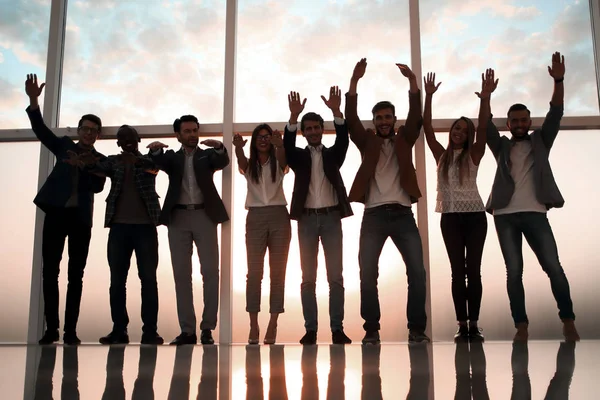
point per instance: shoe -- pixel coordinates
(309, 338)
(475, 334)
(271, 339)
(206, 337)
(185, 338)
(569, 331)
(371, 337)
(417, 337)
(115, 338)
(253, 336)
(152, 338)
(71, 339)
(462, 334)
(49, 337)
(339, 337)
(522, 332)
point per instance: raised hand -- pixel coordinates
(238, 140)
(488, 84)
(359, 69)
(296, 107)
(212, 143)
(80, 160)
(156, 146)
(335, 99)
(406, 71)
(276, 139)
(557, 70)
(429, 81)
(32, 88)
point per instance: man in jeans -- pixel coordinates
(318, 204)
(524, 190)
(387, 184)
(132, 212)
(67, 198)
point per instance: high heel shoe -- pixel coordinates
(253, 339)
(271, 340)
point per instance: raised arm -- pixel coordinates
(340, 147)
(157, 154)
(238, 144)
(488, 85)
(291, 129)
(551, 124)
(358, 134)
(412, 126)
(430, 88)
(46, 136)
(218, 156)
(277, 143)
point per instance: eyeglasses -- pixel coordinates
(264, 138)
(86, 129)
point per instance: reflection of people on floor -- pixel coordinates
(209, 375)
(561, 381)
(43, 382)
(310, 380)
(371, 375)
(420, 371)
(70, 385)
(254, 381)
(180, 381)
(115, 388)
(336, 390)
(143, 388)
(470, 366)
(277, 384)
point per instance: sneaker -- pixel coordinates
(152, 338)
(475, 334)
(339, 337)
(309, 338)
(462, 334)
(206, 337)
(71, 339)
(184, 338)
(49, 337)
(371, 337)
(417, 337)
(115, 338)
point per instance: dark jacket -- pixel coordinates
(57, 189)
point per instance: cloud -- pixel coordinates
(1, 58)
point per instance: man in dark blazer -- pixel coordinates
(192, 210)
(132, 212)
(318, 204)
(67, 198)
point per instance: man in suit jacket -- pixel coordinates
(192, 210)
(67, 198)
(318, 204)
(386, 183)
(132, 212)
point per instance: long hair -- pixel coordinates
(462, 160)
(254, 163)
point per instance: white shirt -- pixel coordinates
(190, 192)
(384, 187)
(265, 192)
(521, 170)
(452, 197)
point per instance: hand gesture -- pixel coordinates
(238, 140)
(156, 146)
(276, 139)
(212, 143)
(80, 160)
(359, 69)
(429, 81)
(406, 71)
(557, 71)
(31, 86)
(488, 84)
(335, 99)
(296, 107)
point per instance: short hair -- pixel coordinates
(184, 118)
(382, 105)
(311, 116)
(518, 107)
(128, 128)
(92, 118)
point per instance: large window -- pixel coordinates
(23, 48)
(144, 62)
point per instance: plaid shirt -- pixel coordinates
(144, 171)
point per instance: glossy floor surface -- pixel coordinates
(494, 370)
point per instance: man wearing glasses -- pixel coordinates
(67, 198)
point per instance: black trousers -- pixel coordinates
(60, 224)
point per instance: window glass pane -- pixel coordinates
(462, 38)
(144, 62)
(308, 46)
(24, 26)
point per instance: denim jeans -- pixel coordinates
(537, 231)
(328, 228)
(397, 222)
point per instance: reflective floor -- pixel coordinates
(494, 370)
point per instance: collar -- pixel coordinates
(187, 153)
(515, 139)
(314, 149)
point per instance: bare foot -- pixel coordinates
(522, 332)
(253, 335)
(570, 331)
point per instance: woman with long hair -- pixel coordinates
(267, 224)
(463, 221)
